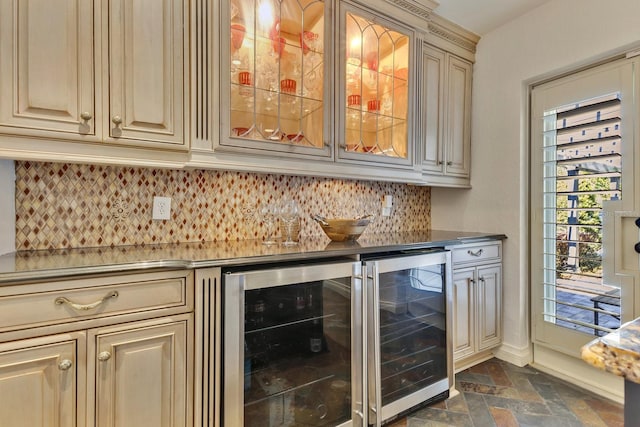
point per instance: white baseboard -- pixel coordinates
(577, 372)
(519, 356)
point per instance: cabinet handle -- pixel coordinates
(117, 120)
(449, 163)
(104, 356)
(482, 279)
(476, 253)
(86, 116)
(471, 281)
(440, 162)
(85, 307)
(65, 364)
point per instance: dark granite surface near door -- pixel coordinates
(497, 393)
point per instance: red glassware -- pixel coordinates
(307, 40)
(372, 61)
(354, 100)
(373, 105)
(278, 45)
(244, 78)
(288, 86)
(237, 35)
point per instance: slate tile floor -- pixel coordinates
(496, 393)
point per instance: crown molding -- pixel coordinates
(453, 33)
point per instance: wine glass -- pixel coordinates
(289, 214)
(269, 213)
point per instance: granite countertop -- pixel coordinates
(617, 352)
(25, 266)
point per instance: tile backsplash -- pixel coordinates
(71, 206)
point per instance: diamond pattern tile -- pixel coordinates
(71, 206)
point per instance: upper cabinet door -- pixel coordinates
(432, 104)
(47, 68)
(375, 80)
(146, 71)
(458, 127)
(273, 70)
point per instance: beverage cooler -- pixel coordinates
(339, 343)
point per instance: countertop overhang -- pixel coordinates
(617, 352)
(26, 266)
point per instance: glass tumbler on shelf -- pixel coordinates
(289, 214)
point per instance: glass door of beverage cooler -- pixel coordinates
(293, 346)
(409, 350)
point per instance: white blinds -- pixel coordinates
(582, 168)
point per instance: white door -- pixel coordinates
(141, 374)
(47, 67)
(583, 176)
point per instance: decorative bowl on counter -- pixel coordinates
(343, 229)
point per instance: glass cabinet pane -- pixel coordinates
(377, 101)
(276, 71)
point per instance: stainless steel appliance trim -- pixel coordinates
(374, 268)
(233, 341)
(358, 365)
(373, 334)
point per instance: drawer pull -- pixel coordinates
(65, 364)
(476, 253)
(104, 356)
(85, 307)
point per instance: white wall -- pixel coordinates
(558, 36)
(7, 207)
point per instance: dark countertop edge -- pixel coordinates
(15, 278)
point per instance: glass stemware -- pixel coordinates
(289, 214)
(269, 214)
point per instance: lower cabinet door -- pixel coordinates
(463, 313)
(489, 306)
(142, 373)
(39, 382)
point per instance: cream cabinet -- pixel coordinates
(94, 71)
(112, 351)
(322, 89)
(39, 381)
(445, 112)
(477, 302)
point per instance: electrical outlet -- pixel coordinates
(161, 208)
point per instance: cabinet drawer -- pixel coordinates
(476, 253)
(92, 298)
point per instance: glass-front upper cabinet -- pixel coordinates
(376, 79)
(273, 72)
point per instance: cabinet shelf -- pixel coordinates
(263, 102)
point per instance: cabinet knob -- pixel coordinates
(638, 222)
(440, 162)
(86, 116)
(637, 247)
(449, 163)
(104, 356)
(117, 120)
(65, 364)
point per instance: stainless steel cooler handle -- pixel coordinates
(373, 334)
